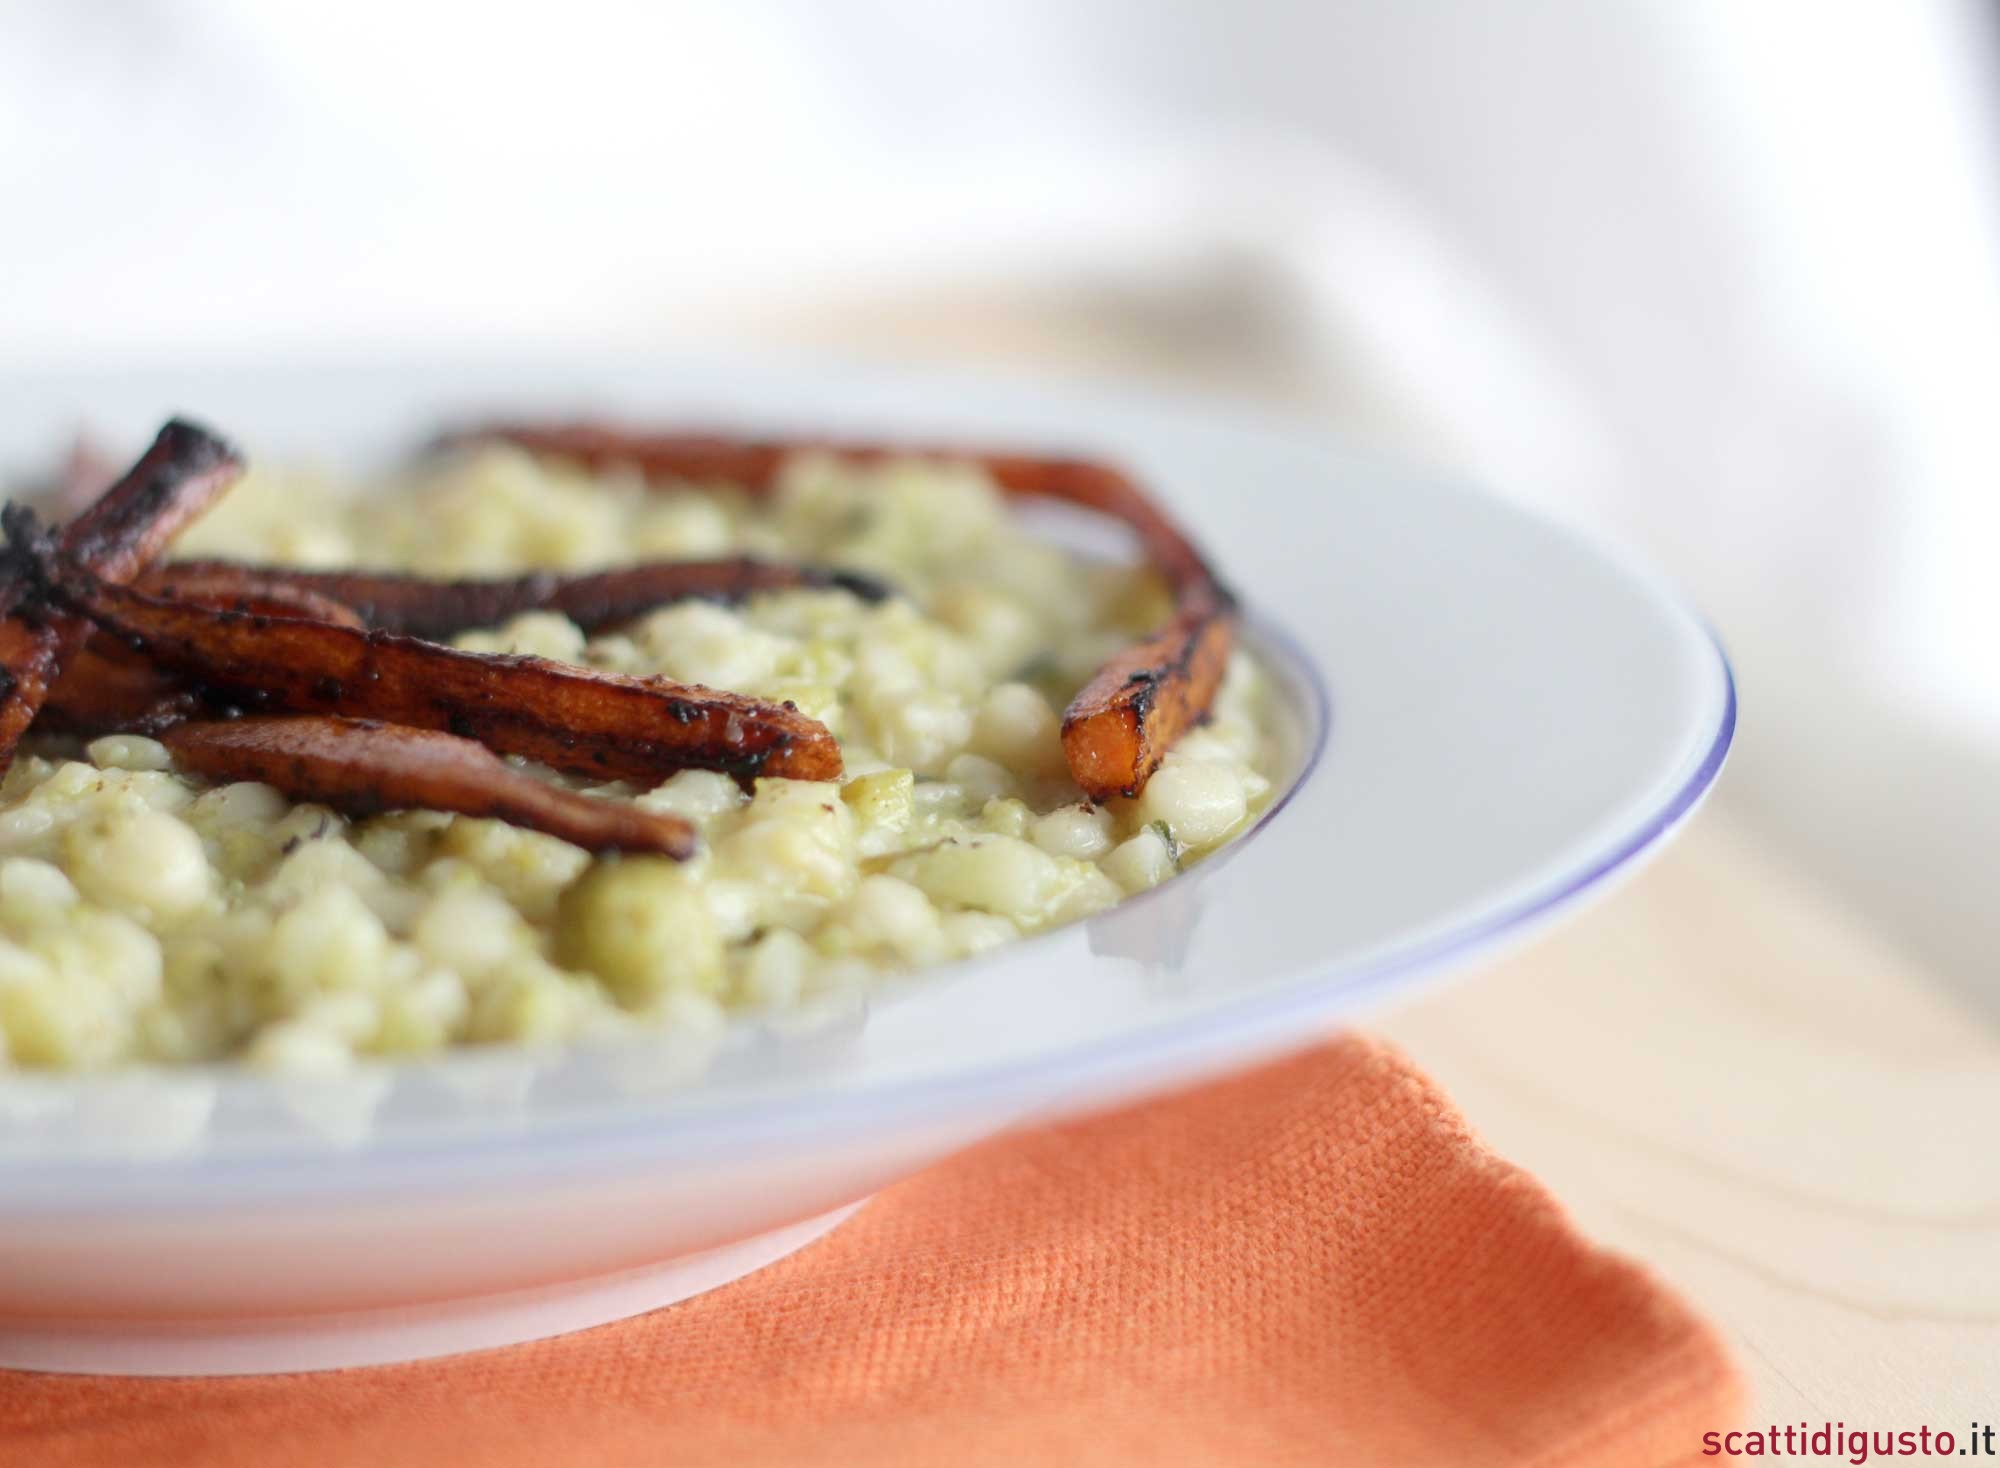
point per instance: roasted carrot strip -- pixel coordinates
(103, 690)
(132, 522)
(435, 609)
(1123, 721)
(1119, 727)
(363, 767)
(597, 724)
(234, 588)
(30, 653)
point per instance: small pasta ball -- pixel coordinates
(128, 752)
(698, 642)
(1016, 727)
(469, 930)
(1201, 803)
(143, 861)
(114, 951)
(421, 1016)
(995, 874)
(921, 731)
(292, 1047)
(530, 868)
(547, 635)
(33, 891)
(882, 800)
(1003, 630)
(886, 913)
(1080, 832)
(57, 1009)
(1006, 817)
(682, 525)
(1146, 860)
(797, 836)
(529, 1002)
(330, 939)
(775, 971)
(1091, 892)
(969, 933)
(694, 795)
(980, 778)
(242, 806)
(642, 928)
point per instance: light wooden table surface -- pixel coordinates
(1719, 1070)
(1724, 1075)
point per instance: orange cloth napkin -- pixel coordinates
(1314, 1263)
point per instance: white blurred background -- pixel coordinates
(1721, 280)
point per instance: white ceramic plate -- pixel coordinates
(1493, 719)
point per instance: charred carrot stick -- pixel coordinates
(232, 588)
(184, 472)
(362, 767)
(105, 688)
(177, 478)
(1119, 727)
(434, 609)
(30, 655)
(102, 690)
(597, 724)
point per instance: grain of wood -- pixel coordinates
(1727, 1076)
